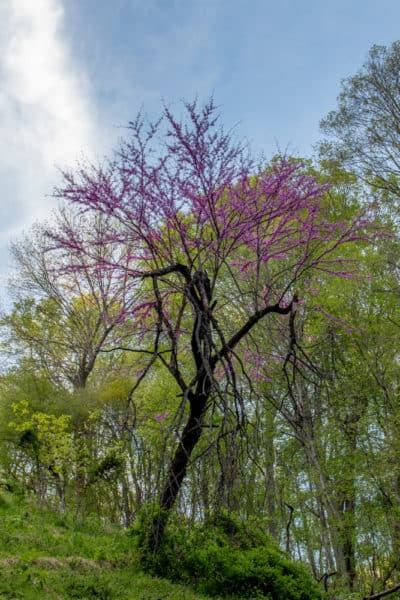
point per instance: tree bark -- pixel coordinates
(177, 469)
(178, 466)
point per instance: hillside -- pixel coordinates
(47, 556)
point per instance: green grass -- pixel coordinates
(47, 556)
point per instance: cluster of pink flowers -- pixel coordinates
(194, 202)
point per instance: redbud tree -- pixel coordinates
(214, 244)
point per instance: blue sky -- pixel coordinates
(73, 72)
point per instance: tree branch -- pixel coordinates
(384, 593)
(176, 268)
(253, 320)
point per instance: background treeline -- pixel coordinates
(313, 450)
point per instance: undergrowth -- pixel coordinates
(226, 557)
(48, 556)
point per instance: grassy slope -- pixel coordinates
(45, 556)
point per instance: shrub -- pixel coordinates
(226, 557)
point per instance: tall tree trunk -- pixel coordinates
(199, 295)
(190, 436)
(178, 466)
(270, 482)
(126, 502)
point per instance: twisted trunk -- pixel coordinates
(206, 358)
(178, 466)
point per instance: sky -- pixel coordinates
(74, 72)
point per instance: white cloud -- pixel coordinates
(46, 117)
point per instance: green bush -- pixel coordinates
(228, 558)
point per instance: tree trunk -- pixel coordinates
(177, 469)
(178, 466)
(270, 482)
(198, 291)
(126, 503)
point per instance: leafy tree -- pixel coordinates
(63, 323)
(363, 133)
(213, 246)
